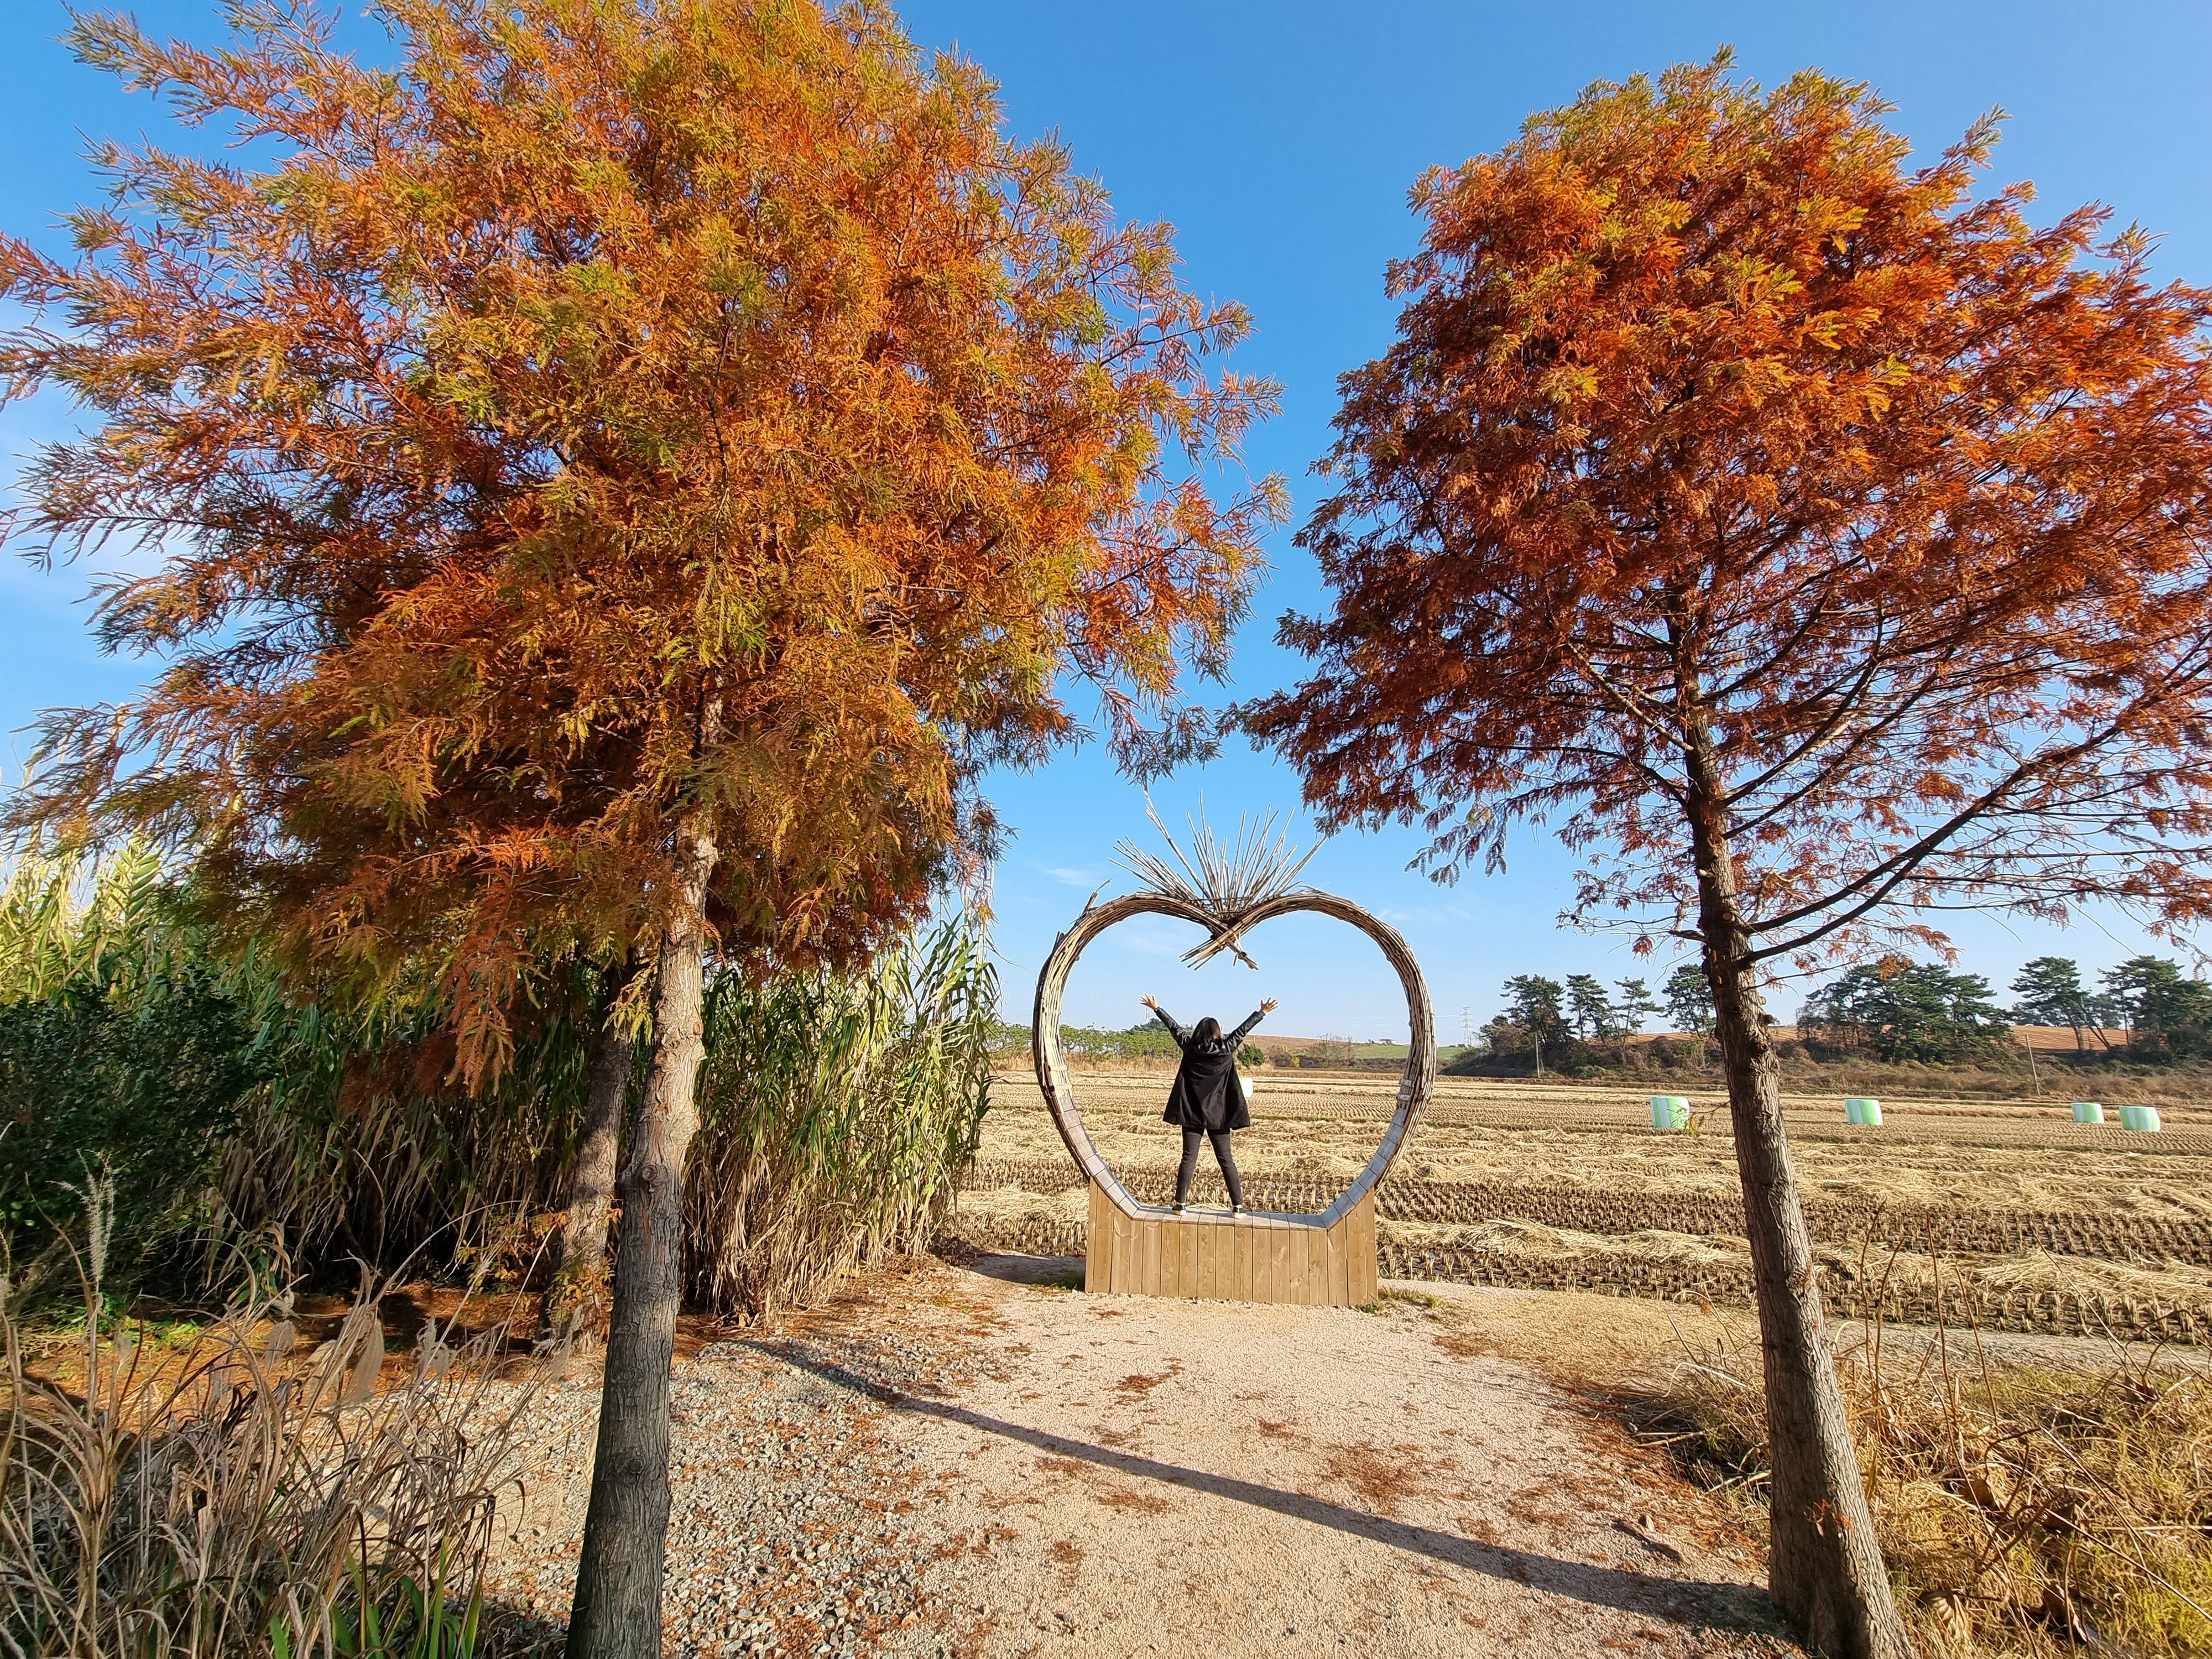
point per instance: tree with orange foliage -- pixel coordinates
(1817, 546)
(617, 476)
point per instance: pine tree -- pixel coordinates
(1587, 1006)
(2051, 993)
(1634, 1008)
(1689, 999)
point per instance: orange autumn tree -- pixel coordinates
(621, 472)
(1815, 545)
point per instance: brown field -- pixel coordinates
(2009, 1215)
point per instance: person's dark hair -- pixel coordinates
(1208, 1030)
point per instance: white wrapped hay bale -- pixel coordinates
(1862, 1111)
(1670, 1111)
(2144, 1118)
(2088, 1111)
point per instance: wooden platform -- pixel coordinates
(1249, 1258)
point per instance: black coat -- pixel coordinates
(1206, 1095)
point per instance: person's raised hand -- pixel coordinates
(1150, 1004)
(1269, 1005)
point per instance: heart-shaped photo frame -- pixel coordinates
(1415, 1088)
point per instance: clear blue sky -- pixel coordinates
(1280, 137)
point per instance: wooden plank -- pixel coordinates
(1365, 1279)
(1238, 1261)
(1098, 1267)
(1098, 1250)
(1125, 1238)
(1293, 1289)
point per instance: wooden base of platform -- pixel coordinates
(1248, 1258)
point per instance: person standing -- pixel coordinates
(1207, 1100)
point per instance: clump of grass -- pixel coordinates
(2022, 1508)
(212, 1494)
(837, 1112)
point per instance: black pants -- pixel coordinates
(1221, 1156)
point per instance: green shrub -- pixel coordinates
(138, 1080)
(122, 1057)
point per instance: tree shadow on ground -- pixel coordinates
(1701, 1604)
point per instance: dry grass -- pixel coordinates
(195, 1493)
(2023, 1508)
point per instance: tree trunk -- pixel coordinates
(1825, 1570)
(577, 1305)
(616, 1613)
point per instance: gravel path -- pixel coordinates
(802, 1522)
(953, 1462)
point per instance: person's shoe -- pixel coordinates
(1178, 1208)
(1236, 1209)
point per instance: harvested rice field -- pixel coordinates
(2011, 1217)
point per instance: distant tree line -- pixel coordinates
(1895, 1009)
(1547, 1014)
(1147, 1040)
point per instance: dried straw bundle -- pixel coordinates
(202, 1493)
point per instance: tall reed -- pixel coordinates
(837, 1107)
(212, 1494)
(228, 1105)
(837, 1111)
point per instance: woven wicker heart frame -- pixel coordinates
(1415, 1088)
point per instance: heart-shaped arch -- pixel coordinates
(1415, 1088)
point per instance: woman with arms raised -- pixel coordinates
(1206, 1099)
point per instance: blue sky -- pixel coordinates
(1280, 138)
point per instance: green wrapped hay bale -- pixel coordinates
(1670, 1111)
(2144, 1118)
(2088, 1111)
(1860, 1110)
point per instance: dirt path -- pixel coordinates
(1169, 1478)
(955, 1462)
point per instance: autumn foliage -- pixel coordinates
(1723, 457)
(596, 366)
(1813, 545)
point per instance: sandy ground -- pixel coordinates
(1172, 1477)
(951, 1461)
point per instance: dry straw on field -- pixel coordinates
(2022, 1510)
